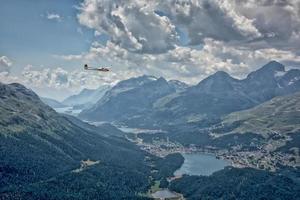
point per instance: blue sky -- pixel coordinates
(44, 43)
(28, 36)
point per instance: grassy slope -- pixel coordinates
(281, 114)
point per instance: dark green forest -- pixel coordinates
(233, 183)
(43, 154)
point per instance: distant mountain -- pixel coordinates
(86, 96)
(216, 95)
(267, 135)
(220, 94)
(271, 80)
(178, 85)
(128, 99)
(150, 102)
(52, 102)
(45, 155)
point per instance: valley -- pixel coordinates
(261, 157)
(150, 100)
(147, 137)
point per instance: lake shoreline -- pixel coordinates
(200, 164)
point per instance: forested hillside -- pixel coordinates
(48, 156)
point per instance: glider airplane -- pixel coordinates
(102, 69)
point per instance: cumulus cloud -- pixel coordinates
(59, 78)
(152, 26)
(209, 19)
(133, 25)
(178, 39)
(46, 77)
(276, 22)
(231, 35)
(186, 63)
(5, 64)
(59, 83)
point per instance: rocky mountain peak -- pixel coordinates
(268, 70)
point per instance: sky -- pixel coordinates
(45, 43)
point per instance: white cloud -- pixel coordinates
(234, 36)
(243, 21)
(214, 19)
(186, 63)
(5, 64)
(133, 25)
(146, 37)
(152, 26)
(54, 16)
(278, 21)
(59, 78)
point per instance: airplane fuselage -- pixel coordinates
(102, 69)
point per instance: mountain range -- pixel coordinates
(52, 102)
(154, 102)
(86, 97)
(131, 98)
(252, 121)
